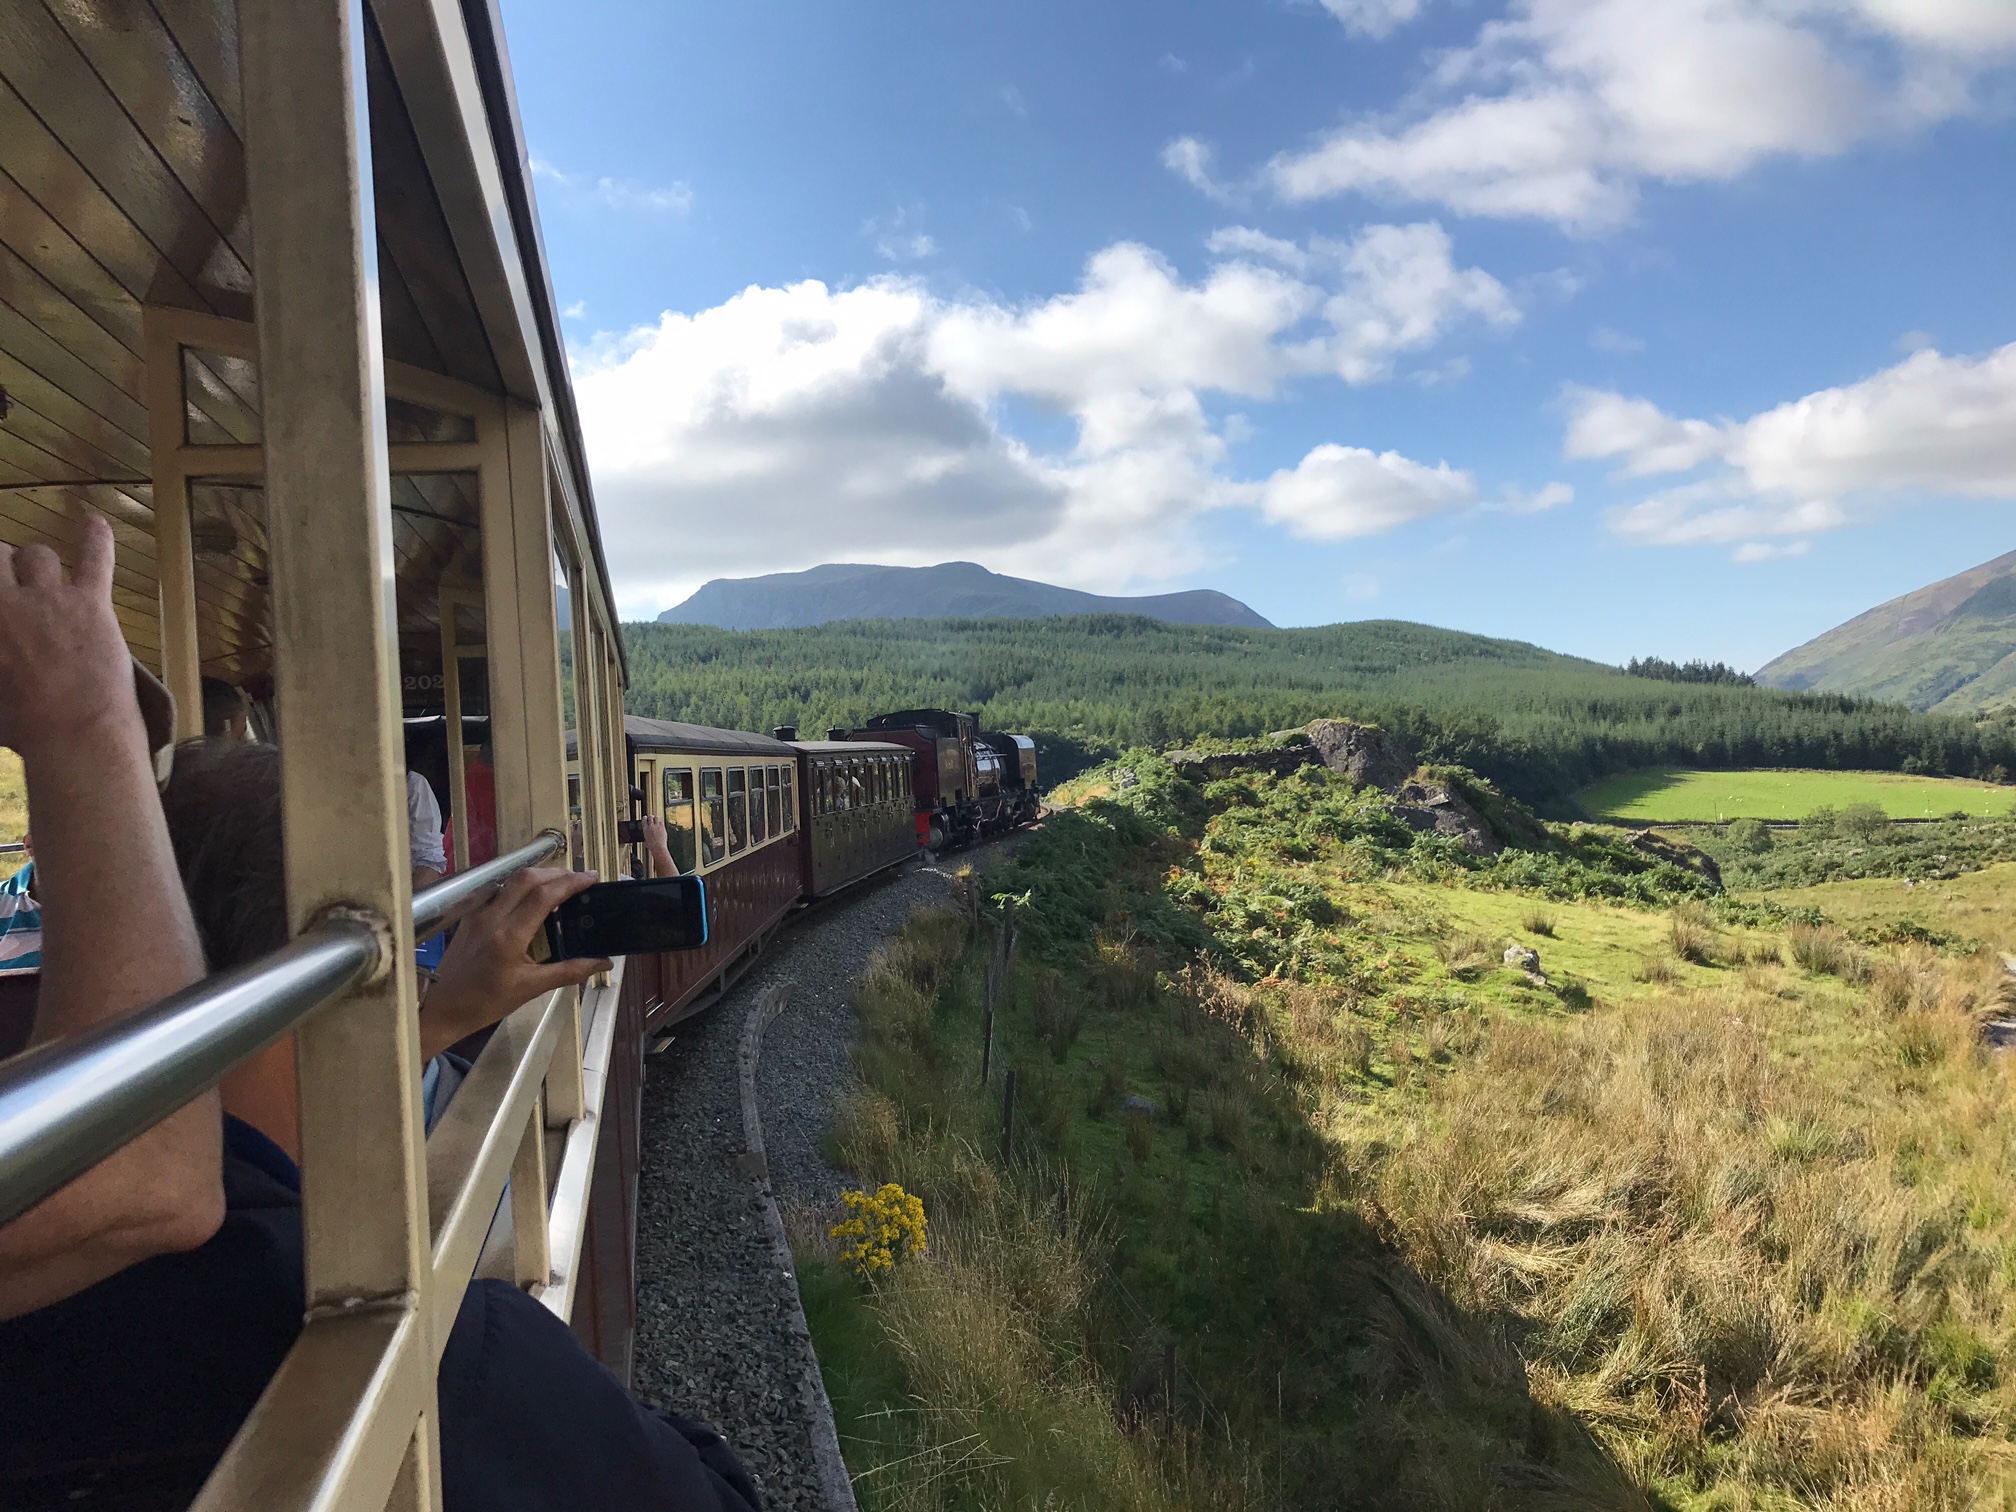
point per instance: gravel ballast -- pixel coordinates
(718, 1330)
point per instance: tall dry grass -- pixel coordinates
(1009, 1409)
(1764, 1248)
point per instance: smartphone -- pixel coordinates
(629, 831)
(629, 918)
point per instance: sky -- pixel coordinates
(1626, 327)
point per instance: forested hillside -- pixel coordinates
(1538, 723)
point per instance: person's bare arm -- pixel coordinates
(487, 971)
(116, 930)
(660, 851)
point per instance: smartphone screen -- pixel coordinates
(629, 918)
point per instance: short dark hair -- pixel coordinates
(223, 806)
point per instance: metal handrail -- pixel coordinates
(66, 1105)
(432, 907)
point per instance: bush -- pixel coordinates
(1826, 951)
(1749, 837)
(1539, 921)
(1861, 821)
(1691, 935)
(1655, 969)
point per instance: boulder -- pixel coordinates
(1364, 753)
(1138, 1106)
(1433, 805)
(1675, 853)
(1523, 958)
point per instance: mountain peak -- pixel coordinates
(1949, 646)
(950, 590)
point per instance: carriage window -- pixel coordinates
(738, 810)
(835, 782)
(759, 826)
(774, 796)
(713, 817)
(882, 783)
(679, 816)
(790, 801)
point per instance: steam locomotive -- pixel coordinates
(968, 782)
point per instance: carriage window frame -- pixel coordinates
(713, 816)
(738, 810)
(790, 770)
(759, 828)
(681, 815)
(773, 795)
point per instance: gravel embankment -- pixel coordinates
(715, 1335)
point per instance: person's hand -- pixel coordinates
(64, 668)
(656, 846)
(487, 971)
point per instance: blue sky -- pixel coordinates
(1622, 326)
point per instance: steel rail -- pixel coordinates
(432, 907)
(66, 1105)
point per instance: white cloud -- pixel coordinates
(1338, 492)
(1932, 426)
(1564, 108)
(1190, 160)
(1514, 500)
(1373, 18)
(898, 237)
(617, 194)
(790, 426)
(1769, 551)
(1609, 339)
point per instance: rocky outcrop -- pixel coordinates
(1674, 853)
(1365, 753)
(1435, 806)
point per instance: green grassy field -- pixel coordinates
(1673, 795)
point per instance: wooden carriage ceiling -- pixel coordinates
(122, 184)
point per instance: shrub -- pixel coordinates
(1655, 969)
(885, 1227)
(1225, 1112)
(1140, 1137)
(1751, 837)
(1826, 951)
(1467, 954)
(1690, 934)
(1820, 821)
(1539, 921)
(1861, 821)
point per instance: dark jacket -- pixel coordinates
(123, 1397)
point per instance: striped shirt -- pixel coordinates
(20, 926)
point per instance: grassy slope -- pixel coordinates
(1672, 795)
(1423, 1233)
(1947, 645)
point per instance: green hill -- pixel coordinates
(1540, 724)
(1950, 647)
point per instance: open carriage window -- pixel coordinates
(759, 813)
(790, 802)
(738, 810)
(713, 817)
(679, 816)
(775, 784)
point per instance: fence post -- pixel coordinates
(1007, 1115)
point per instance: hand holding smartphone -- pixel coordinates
(624, 918)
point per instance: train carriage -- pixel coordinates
(729, 800)
(858, 811)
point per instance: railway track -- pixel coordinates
(718, 1332)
